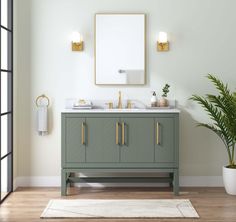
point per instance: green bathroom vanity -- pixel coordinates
(138, 141)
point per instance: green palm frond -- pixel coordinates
(229, 111)
(211, 127)
(220, 86)
(221, 109)
(225, 95)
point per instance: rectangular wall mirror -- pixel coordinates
(120, 49)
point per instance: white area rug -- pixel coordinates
(129, 208)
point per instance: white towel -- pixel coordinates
(42, 120)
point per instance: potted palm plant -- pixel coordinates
(222, 110)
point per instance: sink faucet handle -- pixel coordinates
(110, 105)
(129, 104)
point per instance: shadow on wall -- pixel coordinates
(22, 89)
(50, 120)
(199, 148)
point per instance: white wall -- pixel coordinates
(202, 40)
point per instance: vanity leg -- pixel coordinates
(171, 175)
(176, 182)
(71, 184)
(63, 182)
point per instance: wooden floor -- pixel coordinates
(26, 204)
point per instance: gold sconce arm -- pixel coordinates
(77, 46)
(163, 46)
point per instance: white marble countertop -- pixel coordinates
(161, 110)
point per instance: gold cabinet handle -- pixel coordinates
(157, 132)
(123, 134)
(117, 133)
(82, 134)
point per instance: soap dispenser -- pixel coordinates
(154, 99)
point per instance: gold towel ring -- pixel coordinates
(42, 97)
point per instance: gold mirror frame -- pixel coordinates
(145, 57)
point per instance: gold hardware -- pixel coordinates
(117, 133)
(129, 104)
(77, 46)
(82, 134)
(110, 105)
(119, 101)
(162, 46)
(123, 134)
(157, 131)
(40, 98)
(82, 101)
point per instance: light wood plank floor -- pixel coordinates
(26, 204)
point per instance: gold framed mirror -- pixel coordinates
(120, 52)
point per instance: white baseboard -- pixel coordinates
(201, 181)
(54, 181)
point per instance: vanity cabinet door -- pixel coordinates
(138, 140)
(101, 142)
(164, 140)
(74, 145)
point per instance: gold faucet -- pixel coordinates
(119, 101)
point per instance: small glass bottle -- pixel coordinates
(154, 99)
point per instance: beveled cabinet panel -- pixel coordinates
(75, 147)
(101, 140)
(138, 144)
(164, 140)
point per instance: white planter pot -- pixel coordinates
(229, 179)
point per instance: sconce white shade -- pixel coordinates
(162, 37)
(162, 42)
(76, 37)
(77, 42)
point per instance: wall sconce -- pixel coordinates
(162, 42)
(77, 42)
